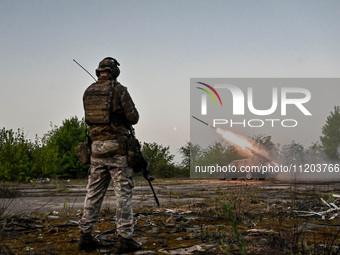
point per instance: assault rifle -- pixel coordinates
(144, 167)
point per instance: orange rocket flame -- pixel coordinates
(243, 143)
(236, 139)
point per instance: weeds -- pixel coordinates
(237, 234)
(250, 219)
(210, 235)
(60, 187)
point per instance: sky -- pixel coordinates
(160, 46)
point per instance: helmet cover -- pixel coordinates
(108, 64)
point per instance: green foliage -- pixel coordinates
(44, 160)
(331, 134)
(160, 160)
(233, 222)
(52, 156)
(63, 141)
(185, 152)
(265, 142)
(315, 153)
(293, 153)
(190, 153)
(15, 155)
(218, 153)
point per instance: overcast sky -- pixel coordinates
(160, 46)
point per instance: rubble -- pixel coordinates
(333, 208)
(182, 251)
(171, 222)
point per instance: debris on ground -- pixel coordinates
(269, 220)
(171, 222)
(333, 211)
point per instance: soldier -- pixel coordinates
(109, 111)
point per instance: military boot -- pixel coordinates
(127, 245)
(88, 243)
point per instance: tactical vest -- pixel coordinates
(97, 101)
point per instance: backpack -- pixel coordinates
(97, 101)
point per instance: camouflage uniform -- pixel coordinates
(109, 161)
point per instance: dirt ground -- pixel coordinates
(195, 217)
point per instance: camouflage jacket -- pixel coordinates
(124, 113)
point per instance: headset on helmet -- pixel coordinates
(108, 64)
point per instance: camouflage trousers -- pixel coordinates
(102, 170)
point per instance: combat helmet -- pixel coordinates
(109, 64)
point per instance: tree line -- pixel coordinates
(54, 156)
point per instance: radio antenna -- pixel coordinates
(84, 69)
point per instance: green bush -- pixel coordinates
(60, 145)
(160, 160)
(52, 156)
(15, 156)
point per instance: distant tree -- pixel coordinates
(293, 153)
(220, 153)
(51, 156)
(265, 142)
(330, 139)
(15, 156)
(44, 159)
(63, 140)
(160, 160)
(190, 153)
(315, 153)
